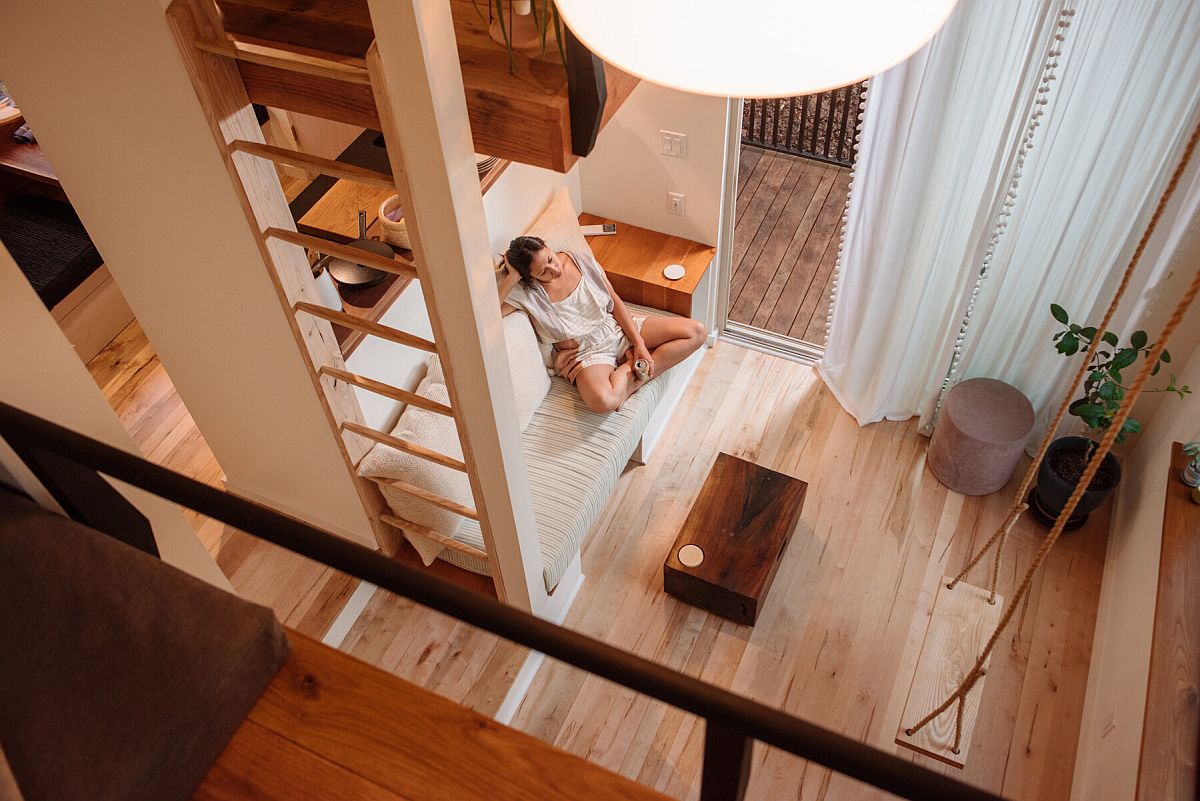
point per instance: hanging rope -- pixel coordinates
(1018, 506)
(1093, 465)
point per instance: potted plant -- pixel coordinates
(1191, 470)
(523, 25)
(1103, 391)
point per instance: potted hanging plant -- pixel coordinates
(1103, 391)
(525, 26)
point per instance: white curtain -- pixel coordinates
(944, 186)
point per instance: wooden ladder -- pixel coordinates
(212, 61)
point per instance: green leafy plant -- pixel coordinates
(1103, 389)
(1192, 449)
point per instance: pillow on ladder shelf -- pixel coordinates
(439, 433)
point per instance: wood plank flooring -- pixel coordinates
(839, 634)
(789, 212)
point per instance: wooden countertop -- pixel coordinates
(634, 258)
(329, 726)
(1171, 731)
(26, 161)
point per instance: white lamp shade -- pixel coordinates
(754, 48)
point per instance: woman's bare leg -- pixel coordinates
(605, 388)
(670, 340)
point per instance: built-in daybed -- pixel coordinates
(573, 456)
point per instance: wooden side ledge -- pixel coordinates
(1171, 731)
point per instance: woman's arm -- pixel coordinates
(506, 279)
(625, 320)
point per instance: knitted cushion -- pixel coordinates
(558, 226)
(49, 244)
(439, 433)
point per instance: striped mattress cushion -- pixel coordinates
(574, 457)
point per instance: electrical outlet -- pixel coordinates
(676, 204)
(672, 144)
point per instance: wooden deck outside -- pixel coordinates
(789, 212)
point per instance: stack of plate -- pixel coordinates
(484, 162)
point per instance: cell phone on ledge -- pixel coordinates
(599, 230)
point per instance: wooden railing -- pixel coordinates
(820, 126)
(69, 465)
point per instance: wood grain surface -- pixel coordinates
(742, 522)
(960, 624)
(1169, 735)
(633, 259)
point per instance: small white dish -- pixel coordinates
(674, 272)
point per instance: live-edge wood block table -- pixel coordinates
(741, 522)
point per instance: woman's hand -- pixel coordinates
(640, 351)
(566, 362)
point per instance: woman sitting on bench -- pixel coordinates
(599, 346)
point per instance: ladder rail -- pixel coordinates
(284, 59)
(312, 163)
(397, 266)
(400, 444)
(366, 326)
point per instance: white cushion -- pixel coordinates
(439, 433)
(558, 225)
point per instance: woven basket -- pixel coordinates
(394, 232)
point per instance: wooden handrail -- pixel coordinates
(366, 326)
(428, 533)
(386, 390)
(285, 60)
(427, 496)
(404, 445)
(307, 161)
(396, 266)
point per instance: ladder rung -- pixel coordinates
(307, 161)
(427, 496)
(366, 326)
(441, 539)
(285, 60)
(397, 266)
(387, 390)
(404, 445)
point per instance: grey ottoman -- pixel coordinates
(979, 436)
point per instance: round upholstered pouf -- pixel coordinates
(979, 436)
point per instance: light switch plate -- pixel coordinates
(673, 144)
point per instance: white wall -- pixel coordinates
(117, 116)
(627, 178)
(1106, 767)
(41, 374)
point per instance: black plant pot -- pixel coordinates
(1053, 491)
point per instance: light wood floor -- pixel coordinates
(789, 212)
(840, 631)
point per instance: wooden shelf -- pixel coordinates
(337, 213)
(522, 117)
(634, 258)
(22, 160)
(330, 726)
(1171, 731)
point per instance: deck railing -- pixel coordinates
(69, 466)
(820, 126)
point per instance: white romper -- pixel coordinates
(585, 315)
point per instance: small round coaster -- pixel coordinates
(691, 555)
(674, 271)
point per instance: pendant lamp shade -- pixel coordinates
(754, 48)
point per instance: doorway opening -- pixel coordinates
(788, 170)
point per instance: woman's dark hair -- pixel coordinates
(520, 255)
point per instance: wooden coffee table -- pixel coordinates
(730, 546)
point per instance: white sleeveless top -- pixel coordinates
(577, 315)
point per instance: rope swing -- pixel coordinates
(1018, 507)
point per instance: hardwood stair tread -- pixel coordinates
(330, 726)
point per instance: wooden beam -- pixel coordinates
(428, 533)
(307, 161)
(406, 446)
(959, 626)
(284, 60)
(386, 390)
(427, 496)
(366, 326)
(396, 266)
